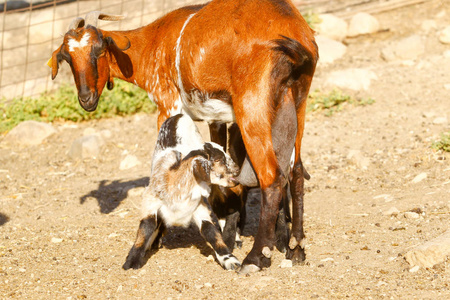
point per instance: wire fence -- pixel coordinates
(30, 33)
(31, 30)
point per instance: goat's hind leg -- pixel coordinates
(148, 233)
(209, 228)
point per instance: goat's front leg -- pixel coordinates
(209, 228)
(148, 232)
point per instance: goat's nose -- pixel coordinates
(84, 95)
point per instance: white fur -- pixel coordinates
(83, 42)
(178, 55)
(202, 107)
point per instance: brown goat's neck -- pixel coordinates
(150, 59)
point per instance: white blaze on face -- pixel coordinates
(83, 42)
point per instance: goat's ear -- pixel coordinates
(202, 168)
(117, 44)
(54, 61)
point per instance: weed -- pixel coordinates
(332, 102)
(62, 105)
(443, 144)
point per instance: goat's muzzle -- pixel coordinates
(88, 100)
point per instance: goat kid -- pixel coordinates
(183, 169)
(221, 62)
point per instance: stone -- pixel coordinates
(431, 253)
(408, 48)
(353, 79)
(29, 133)
(356, 158)
(130, 161)
(362, 23)
(428, 25)
(393, 211)
(286, 263)
(411, 215)
(88, 146)
(444, 35)
(440, 121)
(329, 50)
(332, 27)
(419, 178)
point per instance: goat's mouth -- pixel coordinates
(232, 182)
(89, 104)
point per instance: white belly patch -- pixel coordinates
(202, 107)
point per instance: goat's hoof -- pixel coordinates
(130, 264)
(297, 255)
(134, 260)
(247, 269)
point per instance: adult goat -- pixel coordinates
(226, 61)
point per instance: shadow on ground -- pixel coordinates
(110, 194)
(3, 219)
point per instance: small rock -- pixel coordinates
(29, 133)
(428, 25)
(393, 211)
(414, 269)
(411, 215)
(88, 146)
(428, 114)
(353, 79)
(419, 178)
(89, 131)
(22, 270)
(440, 121)
(409, 48)
(56, 240)
(130, 161)
(329, 50)
(431, 253)
(363, 23)
(210, 258)
(356, 158)
(286, 263)
(444, 35)
(208, 285)
(332, 27)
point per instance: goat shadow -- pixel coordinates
(110, 194)
(3, 219)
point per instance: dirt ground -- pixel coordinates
(66, 226)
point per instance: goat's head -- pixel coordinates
(87, 49)
(218, 167)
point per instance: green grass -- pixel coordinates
(443, 144)
(62, 105)
(125, 99)
(333, 101)
(312, 19)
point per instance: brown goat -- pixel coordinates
(225, 61)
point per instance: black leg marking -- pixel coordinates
(230, 230)
(147, 232)
(296, 249)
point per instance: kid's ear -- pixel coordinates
(202, 168)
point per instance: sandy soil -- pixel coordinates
(66, 226)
